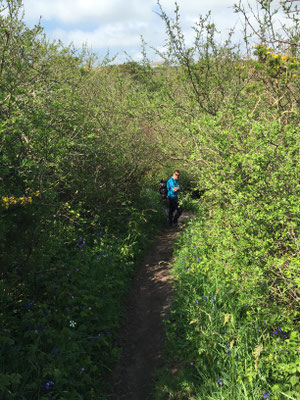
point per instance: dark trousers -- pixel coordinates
(174, 206)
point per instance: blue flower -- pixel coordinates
(266, 395)
(48, 384)
(219, 381)
(55, 351)
(204, 298)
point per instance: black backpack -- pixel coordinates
(163, 190)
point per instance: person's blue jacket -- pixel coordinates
(170, 186)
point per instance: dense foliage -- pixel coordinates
(82, 146)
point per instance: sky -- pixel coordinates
(117, 25)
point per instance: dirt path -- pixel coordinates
(143, 331)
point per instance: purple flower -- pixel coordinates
(219, 381)
(55, 351)
(48, 384)
(275, 332)
(204, 298)
(90, 308)
(266, 395)
(67, 309)
(196, 301)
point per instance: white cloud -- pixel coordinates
(195, 7)
(124, 35)
(86, 11)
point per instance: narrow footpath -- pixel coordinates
(142, 329)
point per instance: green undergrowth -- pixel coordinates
(228, 335)
(60, 312)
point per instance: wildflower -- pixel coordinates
(219, 381)
(266, 395)
(82, 370)
(204, 298)
(72, 324)
(55, 351)
(192, 363)
(90, 308)
(67, 309)
(48, 384)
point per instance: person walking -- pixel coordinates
(173, 191)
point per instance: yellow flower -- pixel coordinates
(37, 193)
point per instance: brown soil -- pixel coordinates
(142, 330)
